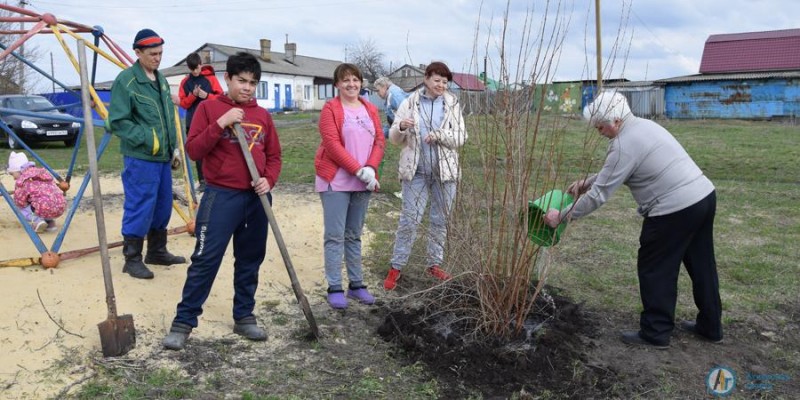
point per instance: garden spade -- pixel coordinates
(276, 232)
(117, 333)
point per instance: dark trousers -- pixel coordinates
(199, 165)
(684, 236)
(223, 214)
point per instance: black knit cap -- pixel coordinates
(147, 38)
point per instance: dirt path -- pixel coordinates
(73, 293)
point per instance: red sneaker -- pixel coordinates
(438, 273)
(391, 280)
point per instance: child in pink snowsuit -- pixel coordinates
(35, 193)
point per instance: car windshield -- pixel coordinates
(30, 103)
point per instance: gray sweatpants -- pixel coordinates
(343, 215)
(415, 200)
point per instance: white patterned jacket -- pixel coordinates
(449, 137)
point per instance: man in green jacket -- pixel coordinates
(141, 114)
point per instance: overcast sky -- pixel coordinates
(641, 39)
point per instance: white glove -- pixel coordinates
(176, 159)
(366, 174)
(373, 185)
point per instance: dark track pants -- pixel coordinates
(223, 214)
(684, 236)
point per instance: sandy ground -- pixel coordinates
(73, 293)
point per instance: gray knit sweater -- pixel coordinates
(644, 156)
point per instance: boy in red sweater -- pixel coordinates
(230, 206)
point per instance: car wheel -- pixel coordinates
(70, 142)
(12, 144)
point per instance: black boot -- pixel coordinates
(132, 250)
(157, 249)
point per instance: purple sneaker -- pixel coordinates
(362, 295)
(337, 300)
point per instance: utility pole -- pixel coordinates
(53, 71)
(20, 64)
(599, 46)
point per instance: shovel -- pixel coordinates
(117, 333)
(276, 232)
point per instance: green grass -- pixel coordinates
(59, 157)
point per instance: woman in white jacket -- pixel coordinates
(429, 126)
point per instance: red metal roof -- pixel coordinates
(468, 82)
(752, 51)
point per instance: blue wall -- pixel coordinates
(746, 99)
(76, 109)
(74, 100)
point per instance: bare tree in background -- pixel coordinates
(11, 68)
(368, 58)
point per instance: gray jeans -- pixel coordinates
(415, 200)
(343, 214)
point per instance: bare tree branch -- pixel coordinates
(368, 58)
(51, 317)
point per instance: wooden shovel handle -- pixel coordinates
(276, 232)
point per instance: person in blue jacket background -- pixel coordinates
(393, 95)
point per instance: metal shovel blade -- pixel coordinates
(117, 335)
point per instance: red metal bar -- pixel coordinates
(19, 32)
(20, 19)
(22, 40)
(19, 10)
(112, 44)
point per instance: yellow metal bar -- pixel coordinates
(21, 262)
(180, 212)
(186, 180)
(93, 47)
(64, 46)
(99, 106)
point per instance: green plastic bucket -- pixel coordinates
(539, 232)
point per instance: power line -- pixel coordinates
(647, 27)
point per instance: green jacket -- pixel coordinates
(142, 115)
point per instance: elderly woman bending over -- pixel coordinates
(678, 203)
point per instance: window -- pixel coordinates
(262, 90)
(325, 91)
(307, 92)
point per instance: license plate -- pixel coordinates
(57, 133)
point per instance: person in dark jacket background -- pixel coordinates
(199, 84)
(141, 114)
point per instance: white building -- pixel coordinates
(288, 81)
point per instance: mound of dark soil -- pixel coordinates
(550, 355)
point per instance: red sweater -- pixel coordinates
(331, 154)
(223, 161)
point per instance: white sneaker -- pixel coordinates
(39, 226)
